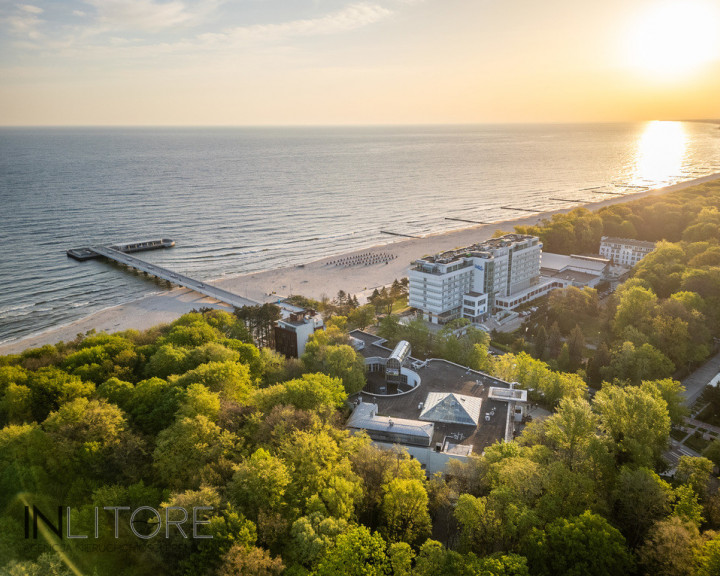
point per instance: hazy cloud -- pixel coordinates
(30, 8)
(25, 21)
(349, 18)
(142, 14)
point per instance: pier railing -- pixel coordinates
(181, 280)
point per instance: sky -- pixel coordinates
(347, 62)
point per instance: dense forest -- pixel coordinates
(664, 319)
(195, 415)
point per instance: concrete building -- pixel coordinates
(624, 251)
(293, 332)
(467, 282)
(574, 270)
(447, 412)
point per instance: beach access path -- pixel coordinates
(313, 279)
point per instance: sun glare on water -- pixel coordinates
(660, 154)
(675, 38)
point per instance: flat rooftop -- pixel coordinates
(569, 276)
(557, 262)
(441, 376)
(485, 248)
(628, 242)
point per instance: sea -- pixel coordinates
(239, 200)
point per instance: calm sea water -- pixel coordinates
(240, 199)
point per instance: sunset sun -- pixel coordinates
(675, 38)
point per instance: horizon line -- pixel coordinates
(369, 125)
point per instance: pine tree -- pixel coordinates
(541, 341)
(554, 341)
(576, 344)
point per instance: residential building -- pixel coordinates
(624, 251)
(293, 332)
(467, 282)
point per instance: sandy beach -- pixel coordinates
(313, 279)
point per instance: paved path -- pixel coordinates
(696, 382)
(675, 452)
(705, 425)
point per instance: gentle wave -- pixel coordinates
(239, 201)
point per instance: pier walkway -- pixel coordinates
(181, 280)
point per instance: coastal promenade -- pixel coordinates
(181, 280)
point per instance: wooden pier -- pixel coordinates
(88, 253)
(112, 253)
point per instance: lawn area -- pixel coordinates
(399, 306)
(677, 434)
(709, 416)
(696, 443)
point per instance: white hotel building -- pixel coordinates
(470, 282)
(625, 251)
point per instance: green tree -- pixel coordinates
(541, 342)
(712, 452)
(708, 558)
(259, 483)
(405, 511)
(499, 565)
(390, 328)
(358, 552)
(669, 548)
(636, 421)
(322, 477)
(193, 451)
(214, 352)
(480, 525)
(554, 341)
(91, 439)
(168, 359)
(634, 364)
(230, 379)
(311, 536)
(586, 545)
(250, 561)
(576, 347)
(46, 564)
(361, 317)
(16, 404)
(673, 392)
(434, 560)
(595, 364)
(199, 400)
(687, 507)
(337, 360)
(50, 388)
(310, 392)
(571, 430)
(636, 307)
(401, 556)
(640, 498)
(153, 405)
(191, 330)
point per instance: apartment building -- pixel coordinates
(467, 282)
(624, 251)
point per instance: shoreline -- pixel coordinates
(313, 279)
